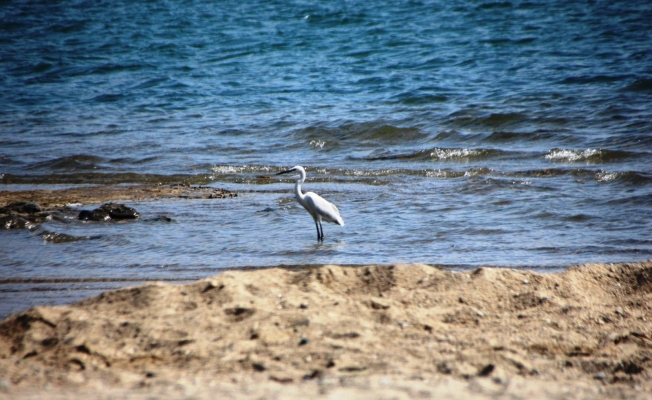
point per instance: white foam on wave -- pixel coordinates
(238, 169)
(572, 155)
(226, 169)
(447, 154)
(605, 176)
(437, 174)
(317, 143)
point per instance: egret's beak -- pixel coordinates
(285, 172)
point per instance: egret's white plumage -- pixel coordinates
(317, 206)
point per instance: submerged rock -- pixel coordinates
(161, 218)
(94, 215)
(108, 211)
(55, 237)
(120, 211)
(15, 222)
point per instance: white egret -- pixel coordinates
(317, 206)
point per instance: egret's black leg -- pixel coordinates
(318, 233)
(322, 230)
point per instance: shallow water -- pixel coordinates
(476, 133)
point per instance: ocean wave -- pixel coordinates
(465, 118)
(100, 178)
(264, 174)
(548, 172)
(318, 143)
(588, 155)
(244, 169)
(500, 136)
(585, 174)
(636, 200)
(226, 169)
(4, 160)
(604, 176)
(640, 85)
(106, 69)
(514, 136)
(375, 131)
(590, 79)
(441, 154)
(494, 5)
(627, 177)
(572, 155)
(444, 173)
(78, 162)
(110, 97)
(416, 98)
(345, 175)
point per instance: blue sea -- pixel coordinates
(458, 133)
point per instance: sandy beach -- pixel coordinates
(330, 331)
(490, 163)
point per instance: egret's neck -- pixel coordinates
(297, 189)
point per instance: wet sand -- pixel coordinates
(98, 194)
(369, 331)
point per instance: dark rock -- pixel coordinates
(22, 215)
(21, 207)
(486, 370)
(119, 211)
(109, 211)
